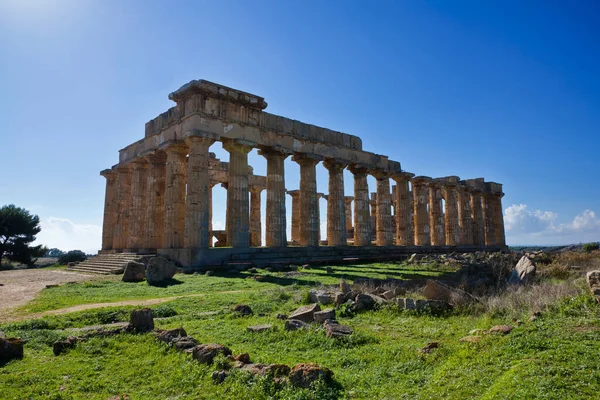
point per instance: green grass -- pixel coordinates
(553, 357)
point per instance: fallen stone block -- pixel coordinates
(322, 316)
(523, 273)
(320, 296)
(593, 280)
(141, 320)
(134, 272)
(335, 330)
(205, 353)
(294, 324)
(504, 329)
(303, 375)
(10, 349)
(260, 328)
(160, 270)
(436, 290)
(243, 309)
(62, 346)
(305, 313)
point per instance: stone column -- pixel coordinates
(336, 208)
(436, 219)
(276, 235)
(477, 217)
(309, 203)
(385, 233)
(197, 222)
(488, 218)
(348, 202)
(121, 229)
(110, 208)
(420, 204)
(404, 225)
(499, 219)
(465, 221)
(450, 193)
(362, 219)
(238, 213)
(173, 236)
(255, 219)
(155, 199)
(137, 205)
(295, 194)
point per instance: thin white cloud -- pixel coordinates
(68, 235)
(537, 224)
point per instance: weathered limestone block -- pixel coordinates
(593, 280)
(303, 375)
(141, 320)
(159, 270)
(305, 313)
(206, 353)
(134, 272)
(524, 272)
(10, 349)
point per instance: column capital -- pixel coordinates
(256, 188)
(109, 174)
(174, 147)
(191, 140)
(359, 169)
(380, 174)
(309, 159)
(402, 176)
(420, 180)
(123, 168)
(156, 157)
(196, 134)
(332, 164)
(348, 199)
(273, 151)
(238, 145)
(140, 163)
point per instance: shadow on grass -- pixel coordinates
(167, 283)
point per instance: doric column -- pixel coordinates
(155, 199)
(238, 213)
(420, 205)
(450, 195)
(197, 219)
(255, 219)
(436, 219)
(404, 225)
(174, 231)
(309, 203)
(295, 194)
(385, 233)
(477, 216)
(110, 208)
(499, 219)
(121, 229)
(362, 219)
(348, 202)
(465, 221)
(137, 204)
(487, 204)
(275, 219)
(336, 208)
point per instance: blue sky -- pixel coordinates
(509, 91)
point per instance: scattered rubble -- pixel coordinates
(504, 329)
(523, 273)
(593, 281)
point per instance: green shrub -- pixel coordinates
(72, 256)
(589, 247)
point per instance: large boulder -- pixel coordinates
(524, 272)
(305, 313)
(593, 280)
(160, 270)
(11, 348)
(303, 375)
(134, 272)
(436, 290)
(206, 353)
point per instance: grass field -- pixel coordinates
(552, 357)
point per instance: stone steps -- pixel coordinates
(106, 264)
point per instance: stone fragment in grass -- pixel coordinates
(294, 324)
(470, 339)
(389, 294)
(260, 328)
(432, 305)
(335, 330)
(305, 313)
(134, 272)
(141, 320)
(351, 295)
(504, 329)
(10, 349)
(430, 346)
(344, 287)
(243, 358)
(593, 281)
(169, 335)
(219, 376)
(322, 316)
(303, 375)
(436, 290)
(277, 370)
(339, 298)
(281, 316)
(61, 346)
(523, 273)
(243, 309)
(320, 296)
(205, 353)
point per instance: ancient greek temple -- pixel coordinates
(159, 195)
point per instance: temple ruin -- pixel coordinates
(159, 195)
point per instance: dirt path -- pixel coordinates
(22, 285)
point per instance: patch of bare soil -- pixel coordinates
(20, 286)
